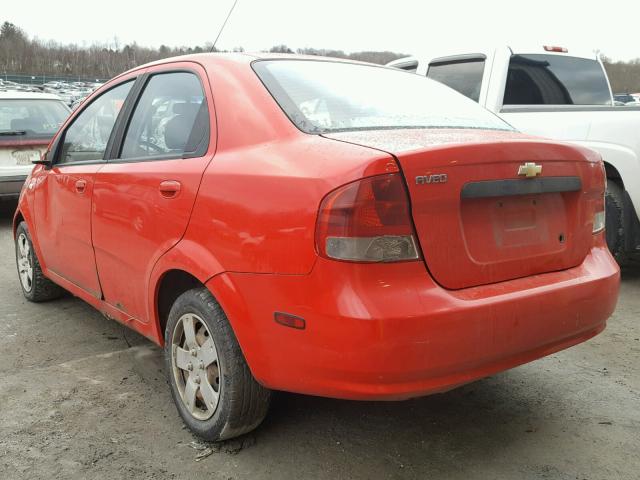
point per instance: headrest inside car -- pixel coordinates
(185, 108)
(22, 124)
(176, 132)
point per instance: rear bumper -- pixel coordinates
(10, 186)
(389, 332)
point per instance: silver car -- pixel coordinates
(28, 121)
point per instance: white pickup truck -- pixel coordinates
(551, 92)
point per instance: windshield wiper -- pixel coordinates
(13, 132)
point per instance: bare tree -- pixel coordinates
(624, 76)
(280, 49)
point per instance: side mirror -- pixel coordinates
(45, 159)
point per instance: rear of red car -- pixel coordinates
(487, 209)
(480, 249)
(421, 287)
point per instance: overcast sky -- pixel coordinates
(350, 25)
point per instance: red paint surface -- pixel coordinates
(243, 223)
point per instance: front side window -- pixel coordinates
(324, 96)
(463, 76)
(539, 79)
(86, 139)
(169, 120)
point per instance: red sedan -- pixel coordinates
(315, 226)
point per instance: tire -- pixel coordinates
(615, 221)
(35, 286)
(192, 372)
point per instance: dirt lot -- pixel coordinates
(81, 397)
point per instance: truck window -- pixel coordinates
(411, 66)
(463, 76)
(539, 79)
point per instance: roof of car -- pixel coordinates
(28, 96)
(240, 57)
(245, 57)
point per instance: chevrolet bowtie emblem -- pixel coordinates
(530, 170)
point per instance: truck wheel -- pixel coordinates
(211, 384)
(35, 286)
(615, 214)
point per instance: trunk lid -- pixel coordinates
(478, 221)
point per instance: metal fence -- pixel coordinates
(40, 79)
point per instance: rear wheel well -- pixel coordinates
(16, 221)
(173, 284)
(613, 174)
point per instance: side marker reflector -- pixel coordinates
(289, 320)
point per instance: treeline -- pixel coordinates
(624, 76)
(368, 56)
(20, 54)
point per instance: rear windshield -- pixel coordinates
(324, 96)
(540, 79)
(31, 117)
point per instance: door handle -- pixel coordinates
(81, 185)
(170, 188)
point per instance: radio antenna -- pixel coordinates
(223, 25)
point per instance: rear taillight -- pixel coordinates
(598, 221)
(599, 216)
(367, 221)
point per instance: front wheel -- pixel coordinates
(211, 384)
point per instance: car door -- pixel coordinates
(64, 191)
(144, 195)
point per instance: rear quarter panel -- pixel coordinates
(257, 207)
(257, 204)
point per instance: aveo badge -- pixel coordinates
(435, 178)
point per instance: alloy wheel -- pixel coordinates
(196, 370)
(25, 266)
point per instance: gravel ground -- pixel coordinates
(82, 397)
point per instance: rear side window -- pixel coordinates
(539, 79)
(86, 139)
(170, 119)
(463, 76)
